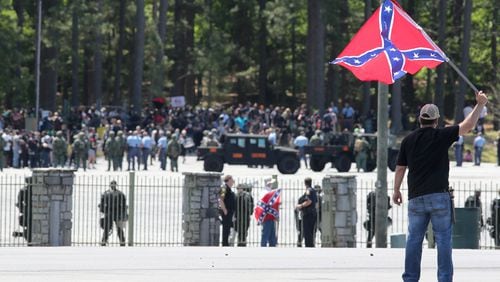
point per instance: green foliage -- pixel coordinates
(226, 48)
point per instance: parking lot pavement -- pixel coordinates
(232, 264)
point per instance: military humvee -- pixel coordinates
(340, 152)
(251, 150)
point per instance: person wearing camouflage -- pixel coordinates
(173, 152)
(59, 149)
(80, 151)
(122, 147)
(112, 150)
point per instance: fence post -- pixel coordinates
(201, 226)
(52, 206)
(131, 207)
(339, 215)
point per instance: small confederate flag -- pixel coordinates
(268, 207)
(389, 45)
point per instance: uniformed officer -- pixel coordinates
(59, 149)
(162, 146)
(309, 213)
(227, 203)
(147, 144)
(80, 151)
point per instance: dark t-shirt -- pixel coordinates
(313, 196)
(425, 153)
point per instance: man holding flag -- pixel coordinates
(267, 213)
(386, 48)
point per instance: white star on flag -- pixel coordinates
(388, 9)
(357, 61)
(392, 49)
(433, 55)
(396, 59)
(415, 55)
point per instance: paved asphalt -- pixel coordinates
(60, 264)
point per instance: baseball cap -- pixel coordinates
(429, 112)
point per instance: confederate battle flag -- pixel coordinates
(389, 45)
(268, 207)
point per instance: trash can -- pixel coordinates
(398, 240)
(466, 228)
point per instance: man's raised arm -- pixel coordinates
(470, 121)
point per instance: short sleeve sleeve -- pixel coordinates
(450, 134)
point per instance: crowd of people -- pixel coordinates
(136, 136)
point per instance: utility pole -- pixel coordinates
(37, 66)
(381, 184)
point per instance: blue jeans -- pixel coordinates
(436, 208)
(459, 154)
(478, 151)
(268, 234)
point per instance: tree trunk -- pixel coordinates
(75, 57)
(119, 54)
(439, 94)
(262, 84)
(178, 69)
(189, 78)
(494, 64)
(97, 77)
(13, 98)
(158, 76)
(462, 86)
(138, 56)
(315, 56)
(49, 53)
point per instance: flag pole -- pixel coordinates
(462, 75)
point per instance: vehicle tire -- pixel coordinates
(213, 164)
(288, 164)
(316, 164)
(343, 163)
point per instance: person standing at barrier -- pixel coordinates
(474, 201)
(425, 153)
(494, 220)
(267, 213)
(369, 223)
(309, 213)
(113, 206)
(227, 204)
(244, 209)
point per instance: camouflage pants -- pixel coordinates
(59, 160)
(173, 164)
